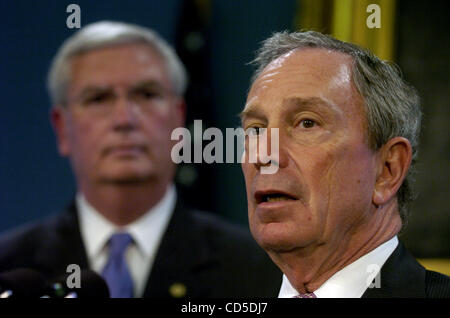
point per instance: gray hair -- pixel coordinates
(392, 106)
(103, 34)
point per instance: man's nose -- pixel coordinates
(267, 150)
(125, 114)
(262, 149)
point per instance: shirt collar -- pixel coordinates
(352, 280)
(146, 231)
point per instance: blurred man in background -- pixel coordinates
(348, 135)
(117, 94)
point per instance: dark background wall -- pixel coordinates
(36, 182)
(423, 53)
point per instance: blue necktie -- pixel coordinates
(116, 271)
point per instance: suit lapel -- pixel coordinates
(62, 244)
(184, 265)
(183, 259)
(401, 276)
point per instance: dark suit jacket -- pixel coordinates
(210, 257)
(403, 277)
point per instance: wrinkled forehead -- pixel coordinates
(125, 63)
(307, 65)
(139, 53)
(307, 73)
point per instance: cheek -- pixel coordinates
(162, 123)
(83, 136)
(84, 146)
(249, 172)
(316, 172)
(248, 176)
(349, 186)
(329, 175)
(353, 172)
(89, 145)
(157, 129)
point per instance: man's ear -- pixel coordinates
(58, 119)
(394, 160)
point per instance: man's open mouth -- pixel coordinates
(273, 196)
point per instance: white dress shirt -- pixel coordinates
(147, 232)
(351, 281)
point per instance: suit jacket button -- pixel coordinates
(177, 290)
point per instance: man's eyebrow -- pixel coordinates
(323, 106)
(310, 102)
(250, 110)
(92, 90)
(147, 84)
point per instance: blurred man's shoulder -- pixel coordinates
(28, 232)
(231, 238)
(215, 222)
(241, 257)
(221, 228)
(20, 244)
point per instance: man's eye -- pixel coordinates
(307, 123)
(254, 131)
(96, 99)
(147, 94)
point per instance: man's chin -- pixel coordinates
(275, 242)
(278, 240)
(277, 245)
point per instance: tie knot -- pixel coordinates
(116, 272)
(119, 242)
(307, 295)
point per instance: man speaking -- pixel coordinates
(348, 129)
